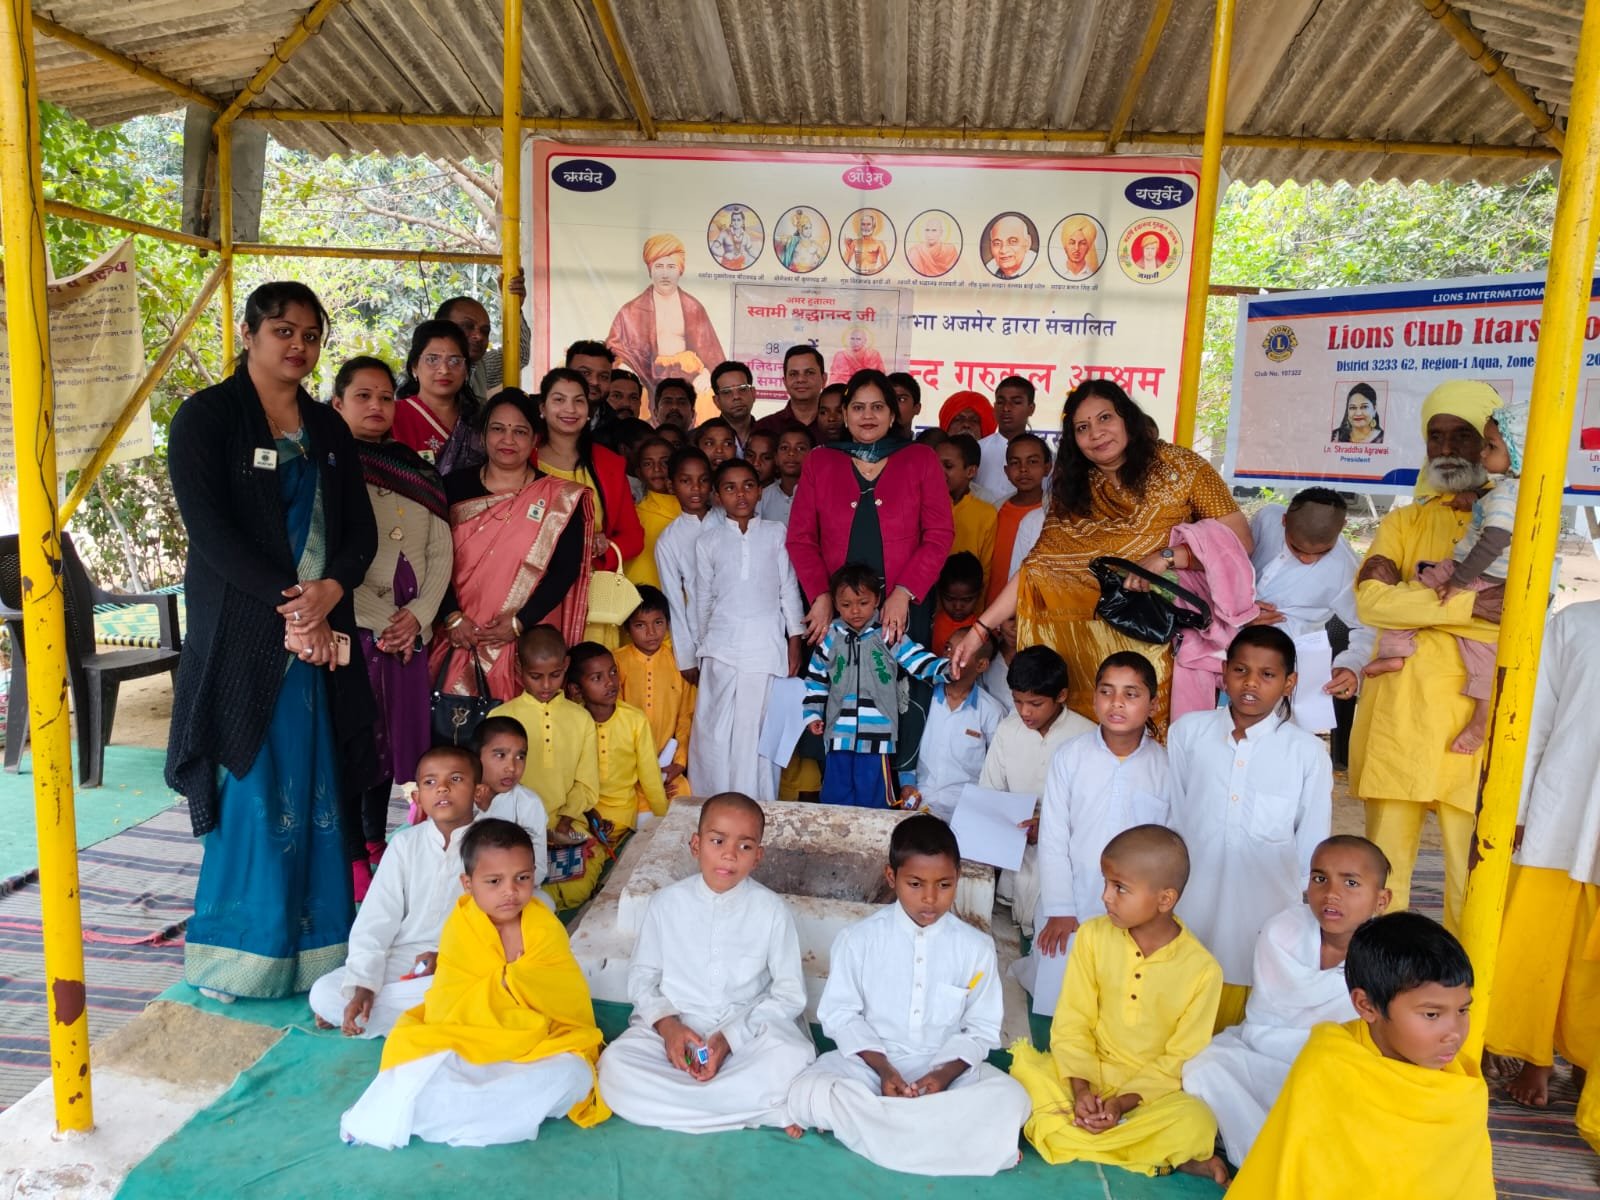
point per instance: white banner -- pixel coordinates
(1328, 385)
(960, 270)
(97, 358)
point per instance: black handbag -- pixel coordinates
(1146, 616)
(456, 718)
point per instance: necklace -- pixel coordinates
(483, 478)
(279, 432)
(398, 533)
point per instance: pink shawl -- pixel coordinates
(1229, 584)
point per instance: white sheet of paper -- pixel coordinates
(664, 759)
(986, 824)
(1313, 708)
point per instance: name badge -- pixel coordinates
(266, 459)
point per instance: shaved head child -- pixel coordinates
(1139, 1000)
(1385, 1105)
(394, 941)
(1300, 982)
(715, 1039)
(505, 1037)
(913, 1002)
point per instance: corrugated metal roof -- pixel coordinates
(1366, 69)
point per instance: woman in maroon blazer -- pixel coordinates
(880, 500)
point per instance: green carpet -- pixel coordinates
(275, 1134)
(134, 791)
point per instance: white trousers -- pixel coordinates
(969, 1129)
(751, 1089)
(394, 998)
(1239, 1084)
(444, 1098)
(724, 753)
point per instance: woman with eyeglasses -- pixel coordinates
(434, 413)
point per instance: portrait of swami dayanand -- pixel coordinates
(664, 332)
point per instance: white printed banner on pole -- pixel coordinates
(1328, 385)
(961, 270)
(96, 357)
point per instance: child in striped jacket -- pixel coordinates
(853, 692)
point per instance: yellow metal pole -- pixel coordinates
(511, 195)
(44, 612)
(71, 212)
(225, 238)
(1205, 224)
(67, 37)
(1141, 65)
(630, 77)
(1538, 525)
(140, 394)
(1539, 116)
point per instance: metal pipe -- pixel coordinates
(1540, 117)
(1553, 397)
(1205, 224)
(71, 212)
(67, 37)
(1141, 65)
(630, 77)
(224, 136)
(281, 54)
(43, 601)
(141, 393)
(274, 250)
(511, 194)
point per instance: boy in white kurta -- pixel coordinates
(1100, 783)
(691, 484)
(962, 720)
(394, 942)
(748, 623)
(1252, 795)
(1299, 982)
(501, 744)
(1019, 756)
(716, 969)
(913, 1002)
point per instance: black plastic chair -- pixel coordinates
(96, 674)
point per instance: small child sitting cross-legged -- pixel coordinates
(1386, 1105)
(395, 938)
(1299, 973)
(913, 1002)
(505, 1038)
(715, 1039)
(1139, 1000)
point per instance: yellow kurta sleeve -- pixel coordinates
(583, 793)
(686, 698)
(1407, 536)
(1162, 1072)
(1072, 1030)
(648, 769)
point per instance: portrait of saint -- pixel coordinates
(1150, 252)
(664, 332)
(802, 240)
(933, 243)
(1010, 245)
(1077, 247)
(735, 237)
(858, 354)
(1361, 423)
(868, 241)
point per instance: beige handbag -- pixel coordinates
(612, 596)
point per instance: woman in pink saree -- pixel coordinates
(521, 556)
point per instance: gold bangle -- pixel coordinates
(454, 619)
(516, 626)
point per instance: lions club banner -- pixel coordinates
(1328, 385)
(960, 270)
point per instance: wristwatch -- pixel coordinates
(1167, 553)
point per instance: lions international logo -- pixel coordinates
(1279, 343)
(1150, 250)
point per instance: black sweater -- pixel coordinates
(239, 564)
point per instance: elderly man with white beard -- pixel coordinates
(1401, 765)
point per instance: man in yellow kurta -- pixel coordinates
(1387, 1105)
(1139, 1000)
(505, 1037)
(1401, 764)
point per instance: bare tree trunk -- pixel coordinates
(135, 580)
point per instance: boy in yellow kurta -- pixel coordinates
(505, 1037)
(652, 683)
(1139, 1000)
(657, 509)
(1386, 1105)
(563, 763)
(976, 520)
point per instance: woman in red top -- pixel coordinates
(434, 413)
(565, 449)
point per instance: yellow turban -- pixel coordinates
(662, 245)
(1471, 400)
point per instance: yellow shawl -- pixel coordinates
(1351, 1121)
(488, 1010)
